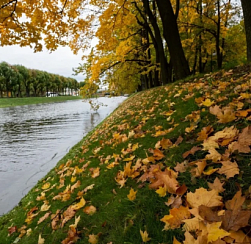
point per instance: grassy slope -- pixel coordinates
(129, 135)
(11, 102)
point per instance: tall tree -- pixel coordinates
(246, 6)
(172, 37)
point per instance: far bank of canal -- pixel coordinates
(33, 138)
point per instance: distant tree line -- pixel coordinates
(19, 81)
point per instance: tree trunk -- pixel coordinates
(159, 42)
(246, 6)
(171, 34)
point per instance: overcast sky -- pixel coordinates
(59, 62)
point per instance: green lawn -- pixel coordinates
(11, 102)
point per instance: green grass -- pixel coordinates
(11, 102)
(119, 220)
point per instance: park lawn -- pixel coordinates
(170, 165)
(11, 102)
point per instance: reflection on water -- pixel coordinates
(34, 137)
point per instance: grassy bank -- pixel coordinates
(11, 102)
(171, 165)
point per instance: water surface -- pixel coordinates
(33, 138)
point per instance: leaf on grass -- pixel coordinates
(72, 236)
(144, 236)
(191, 151)
(40, 239)
(93, 239)
(132, 195)
(181, 167)
(229, 169)
(203, 135)
(243, 143)
(161, 191)
(43, 218)
(45, 207)
(95, 172)
(174, 219)
(12, 230)
(216, 185)
(166, 178)
(67, 215)
(79, 205)
(213, 155)
(90, 210)
(204, 197)
(46, 185)
(234, 217)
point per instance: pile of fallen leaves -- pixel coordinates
(189, 142)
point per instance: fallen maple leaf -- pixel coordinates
(40, 239)
(12, 230)
(72, 236)
(174, 219)
(161, 191)
(204, 197)
(67, 215)
(191, 151)
(90, 210)
(167, 179)
(234, 217)
(132, 195)
(216, 185)
(95, 172)
(215, 233)
(46, 186)
(43, 218)
(144, 236)
(244, 141)
(79, 205)
(229, 169)
(93, 239)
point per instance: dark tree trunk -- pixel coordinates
(246, 6)
(171, 34)
(159, 42)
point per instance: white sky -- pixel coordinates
(59, 62)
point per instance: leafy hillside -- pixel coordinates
(171, 165)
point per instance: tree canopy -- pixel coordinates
(139, 44)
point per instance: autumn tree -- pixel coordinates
(246, 6)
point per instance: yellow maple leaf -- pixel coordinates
(77, 219)
(46, 185)
(174, 219)
(161, 191)
(79, 205)
(95, 172)
(132, 195)
(144, 236)
(40, 239)
(45, 207)
(215, 233)
(208, 102)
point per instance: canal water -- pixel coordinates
(33, 138)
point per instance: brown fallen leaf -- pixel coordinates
(234, 217)
(12, 230)
(72, 236)
(191, 151)
(243, 142)
(67, 215)
(216, 185)
(208, 214)
(229, 169)
(44, 218)
(90, 210)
